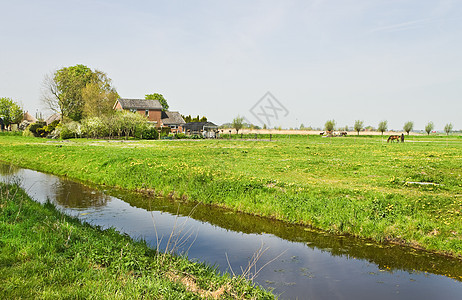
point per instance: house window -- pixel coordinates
(133, 110)
(146, 113)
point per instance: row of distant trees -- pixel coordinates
(383, 126)
(238, 124)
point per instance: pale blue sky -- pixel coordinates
(343, 60)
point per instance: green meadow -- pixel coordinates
(408, 193)
(45, 254)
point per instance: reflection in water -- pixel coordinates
(75, 195)
(8, 170)
(315, 265)
(388, 257)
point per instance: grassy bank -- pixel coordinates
(45, 254)
(408, 193)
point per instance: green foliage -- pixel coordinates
(45, 254)
(70, 81)
(70, 130)
(10, 111)
(121, 124)
(329, 125)
(189, 119)
(99, 96)
(68, 89)
(429, 127)
(165, 131)
(448, 128)
(237, 123)
(408, 126)
(37, 127)
(367, 188)
(158, 97)
(40, 129)
(180, 135)
(383, 126)
(358, 126)
(147, 133)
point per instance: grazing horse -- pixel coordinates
(394, 137)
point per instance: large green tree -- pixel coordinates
(159, 97)
(64, 90)
(99, 96)
(10, 111)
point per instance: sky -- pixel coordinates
(282, 63)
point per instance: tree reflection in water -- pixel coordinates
(8, 170)
(75, 195)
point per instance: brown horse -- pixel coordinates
(394, 137)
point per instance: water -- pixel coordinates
(304, 264)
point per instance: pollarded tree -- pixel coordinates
(359, 125)
(448, 128)
(10, 111)
(429, 127)
(159, 97)
(383, 126)
(329, 125)
(408, 126)
(238, 123)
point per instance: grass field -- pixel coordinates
(47, 255)
(409, 193)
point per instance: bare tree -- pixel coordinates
(51, 97)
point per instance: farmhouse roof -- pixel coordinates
(52, 118)
(197, 126)
(29, 117)
(139, 104)
(172, 118)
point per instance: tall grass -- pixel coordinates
(354, 185)
(45, 254)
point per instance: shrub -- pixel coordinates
(165, 131)
(180, 136)
(149, 133)
(27, 132)
(34, 128)
(94, 127)
(70, 130)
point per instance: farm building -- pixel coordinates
(152, 109)
(206, 129)
(52, 118)
(28, 117)
(174, 120)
